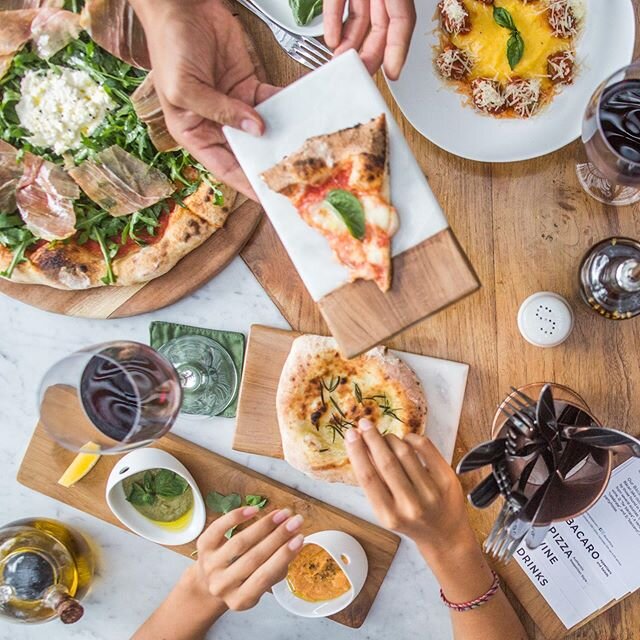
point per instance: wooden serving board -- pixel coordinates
(257, 428)
(45, 461)
(194, 270)
(426, 278)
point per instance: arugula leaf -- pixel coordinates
(349, 208)
(503, 18)
(304, 11)
(169, 484)
(515, 49)
(9, 220)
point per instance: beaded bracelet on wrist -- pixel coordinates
(477, 602)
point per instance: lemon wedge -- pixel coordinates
(80, 466)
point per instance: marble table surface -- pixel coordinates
(134, 575)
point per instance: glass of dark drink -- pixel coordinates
(110, 398)
(611, 137)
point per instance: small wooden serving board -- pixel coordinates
(257, 428)
(426, 278)
(45, 461)
(193, 271)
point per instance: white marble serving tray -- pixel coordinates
(340, 94)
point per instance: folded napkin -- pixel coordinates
(233, 342)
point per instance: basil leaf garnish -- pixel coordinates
(515, 44)
(220, 503)
(515, 49)
(350, 209)
(304, 11)
(503, 18)
(137, 495)
(169, 484)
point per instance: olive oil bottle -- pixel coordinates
(45, 569)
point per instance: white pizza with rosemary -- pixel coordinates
(321, 395)
(339, 184)
(94, 190)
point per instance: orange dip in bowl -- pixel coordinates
(315, 576)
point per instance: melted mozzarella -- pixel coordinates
(59, 106)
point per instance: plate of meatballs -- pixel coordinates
(509, 80)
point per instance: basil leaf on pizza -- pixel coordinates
(339, 184)
(93, 189)
(349, 209)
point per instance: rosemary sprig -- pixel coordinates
(333, 384)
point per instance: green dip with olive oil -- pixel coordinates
(159, 494)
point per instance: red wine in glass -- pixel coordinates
(115, 396)
(611, 135)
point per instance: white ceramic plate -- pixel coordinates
(439, 113)
(280, 11)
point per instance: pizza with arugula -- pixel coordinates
(94, 191)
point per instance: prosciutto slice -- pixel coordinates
(13, 5)
(121, 183)
(10, 173)
(147, 105)
(14, 34)
(54, 29)
(45, 198)
(114, 25)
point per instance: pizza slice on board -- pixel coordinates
(339, 183)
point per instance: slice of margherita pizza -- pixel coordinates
(339, 183)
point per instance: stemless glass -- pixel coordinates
(109, 398)
(611, 138)
(207, 374)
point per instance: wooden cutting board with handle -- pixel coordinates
(45, 461)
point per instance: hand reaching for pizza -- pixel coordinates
(239, 571)
(206, 75)
(411, 487)
(379, 29)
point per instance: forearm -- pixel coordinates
(463, 574)
(187, 613)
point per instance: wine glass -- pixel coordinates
(109, 398)
(611, 138)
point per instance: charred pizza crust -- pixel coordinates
(315, 162)
(304, 412)
(68, 265)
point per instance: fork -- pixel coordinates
(307, 51)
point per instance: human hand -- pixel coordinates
(411, 487)
(238, 571)
(206, 75)
(379, 29)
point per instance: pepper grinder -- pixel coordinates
(610, 278)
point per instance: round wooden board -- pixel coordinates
(194, 270)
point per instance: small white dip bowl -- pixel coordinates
(349, 556)
(143, 460)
